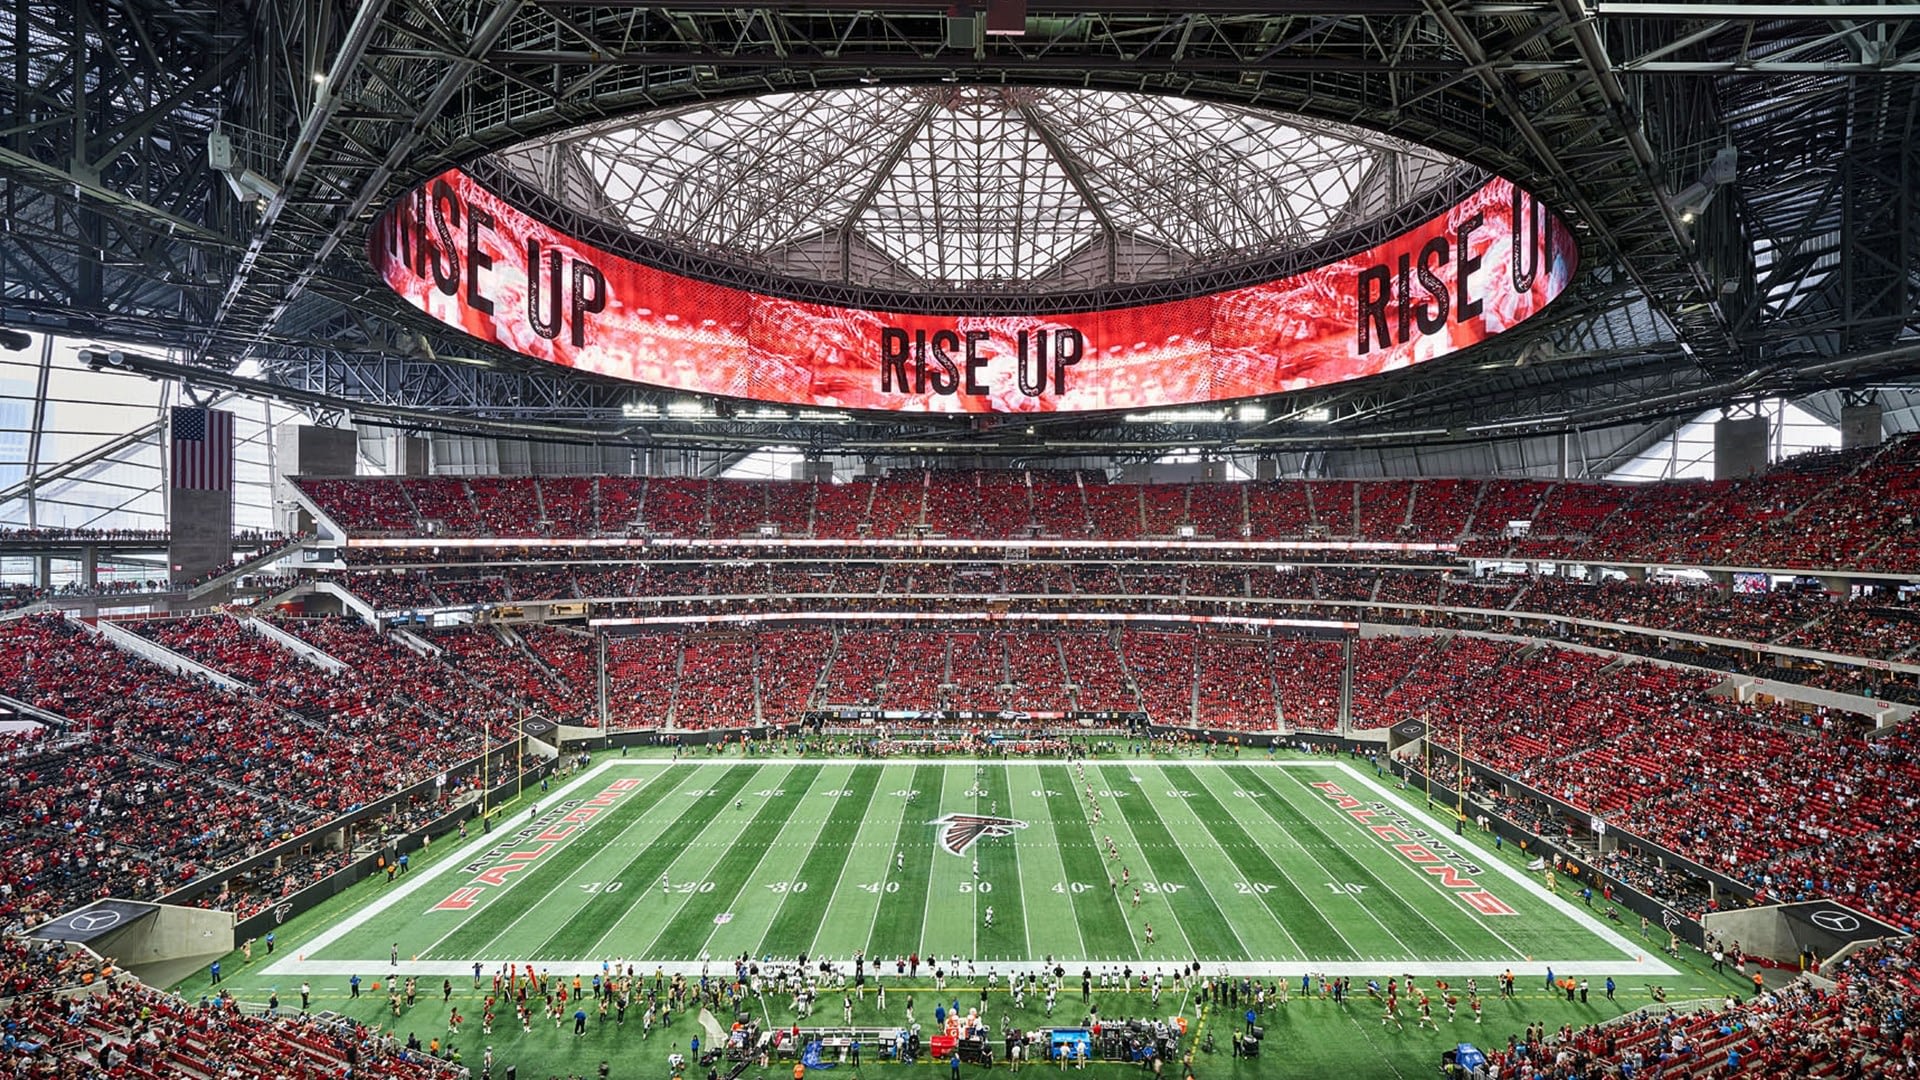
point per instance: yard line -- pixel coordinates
(536, 873)
(833, 894)
(654, 946)
(902, 932)
(1040, 784)
(643, 889)
(795, 927)
(1205, 840)
(1527, 884)
(766, 849)
(753, 917)
(847, 890)
(887, 871)
(1250, 829)
(462, 856)
(804, 844)
(1344, 841)
(1097, 914)
(1374, 855)
(1112, 811)
(1000, 869)
(1026, 918)
(1141, 791)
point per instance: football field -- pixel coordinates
(1252, 867)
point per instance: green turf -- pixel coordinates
(1238, 863)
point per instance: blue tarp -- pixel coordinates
(810, 1057)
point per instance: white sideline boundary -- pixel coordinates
(1636, 961)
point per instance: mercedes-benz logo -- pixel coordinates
(88, 922)
(1840, 922)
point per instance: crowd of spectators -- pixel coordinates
(127, 1031)
(1823, 511)
(52, 532)
(160, 778)
(1862, 1027)
(37, 967)
(1851, 635)
(499, 663)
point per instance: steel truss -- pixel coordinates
(1800, 275)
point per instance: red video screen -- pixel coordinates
(472, 260)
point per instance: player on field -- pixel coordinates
(989, 916)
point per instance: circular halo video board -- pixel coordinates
(471, 259)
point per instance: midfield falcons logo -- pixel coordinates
(959, 831)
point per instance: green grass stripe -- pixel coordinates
(1052, 928)
(1291, 906)
(1262, 935)
(1199, 917)
(798, 923)
(1000, 869)
(1103, 924)
(1412, 934)
(759, 901)
(1539, 929)
(1169, 935)
(503, 909)
(643, 869)
(848, 926)
(689, 929)
(898, 924)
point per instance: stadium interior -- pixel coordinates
(410, 406)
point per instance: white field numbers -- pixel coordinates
(1262, 888)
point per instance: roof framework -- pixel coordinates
(951, 186)
(1800, 276)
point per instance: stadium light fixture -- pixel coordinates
(1176, 416)
(14, 340)
(1693, 200)
(1251, 414)
(1319, 414)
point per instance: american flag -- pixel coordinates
(202, 449)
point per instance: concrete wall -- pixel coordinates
(294, 645)
(304, 450)
(1739, 447)
(172, 944)
(1760, 931)
(153, 652)
(201, 524)
(1860, 425)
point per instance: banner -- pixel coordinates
(467, 257)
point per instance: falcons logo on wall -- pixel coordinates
(959, 831)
